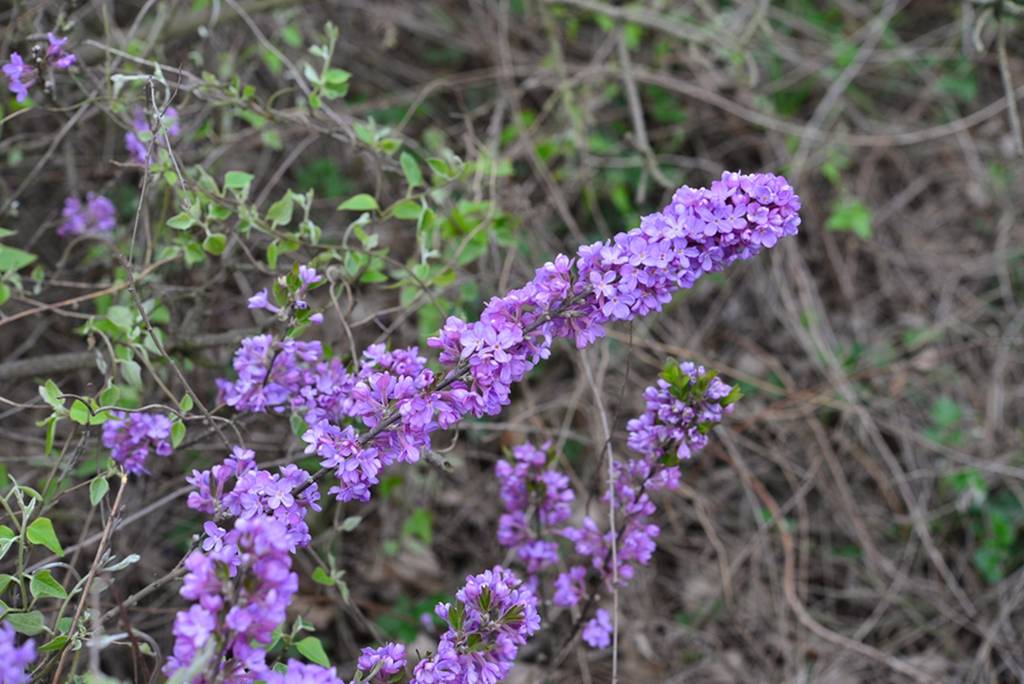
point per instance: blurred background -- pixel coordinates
(860, 518)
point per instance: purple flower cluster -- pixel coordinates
(286, 497)
(133, 139)
(387, 384)
(303, 673)
(681, 409)
(21, 75)
(271, 373)
(628, 276)
(382, 663)
(132, 436)
(56, 55)
(96, 215)
(240, 593)
(536, 498)
(493, 616)
(14, 659)
(597, 633)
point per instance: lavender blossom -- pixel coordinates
(20, 76)
(382, 663)
(141, 129)
(131, 437)
(286, 497)
(681, 409)
(303, 673)
(56, 55)
(529, 487)
(598, 630)
(240, 594)
(14, 660)
(96, 215)
(492, 618)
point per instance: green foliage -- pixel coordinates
(850, 215)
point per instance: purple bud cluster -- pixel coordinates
(21, 75)
(131, 437)
(493, 616)
(240, 593)
(306, 277)
(303, 673)
(286, 497)
(14, 659)
(96, 215)
(140, 129)
(536, 498)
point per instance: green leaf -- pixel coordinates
(350, 523)
(29, 624)
(13, 259)
(185, 403)
(280, 212)
(80, 412)
(7, 539)
(98, 489)
(411, 169)
(313, 650)
(177, 433)
(408, 210)
(5, 581)
(132, 372)
(50, 393)
(419, 524)
(945, 412)
(181, 221)
(360, 202)
(215, 243)
(5, 293)
(852, 216)
(55, 644)
(43, 585)
(320, 576)
(238, 181)
(121, 316)
(41, 532)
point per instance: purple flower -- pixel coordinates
(529, 484)
(96, 215)
(240, 594)
(598, 630)
(385, 661)
(131, 437)
(569, 586)
(20, 76)
(56, 55)
(492, 618)
(141, 128)
(302, 673)
(14, 659)
(286, 497)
